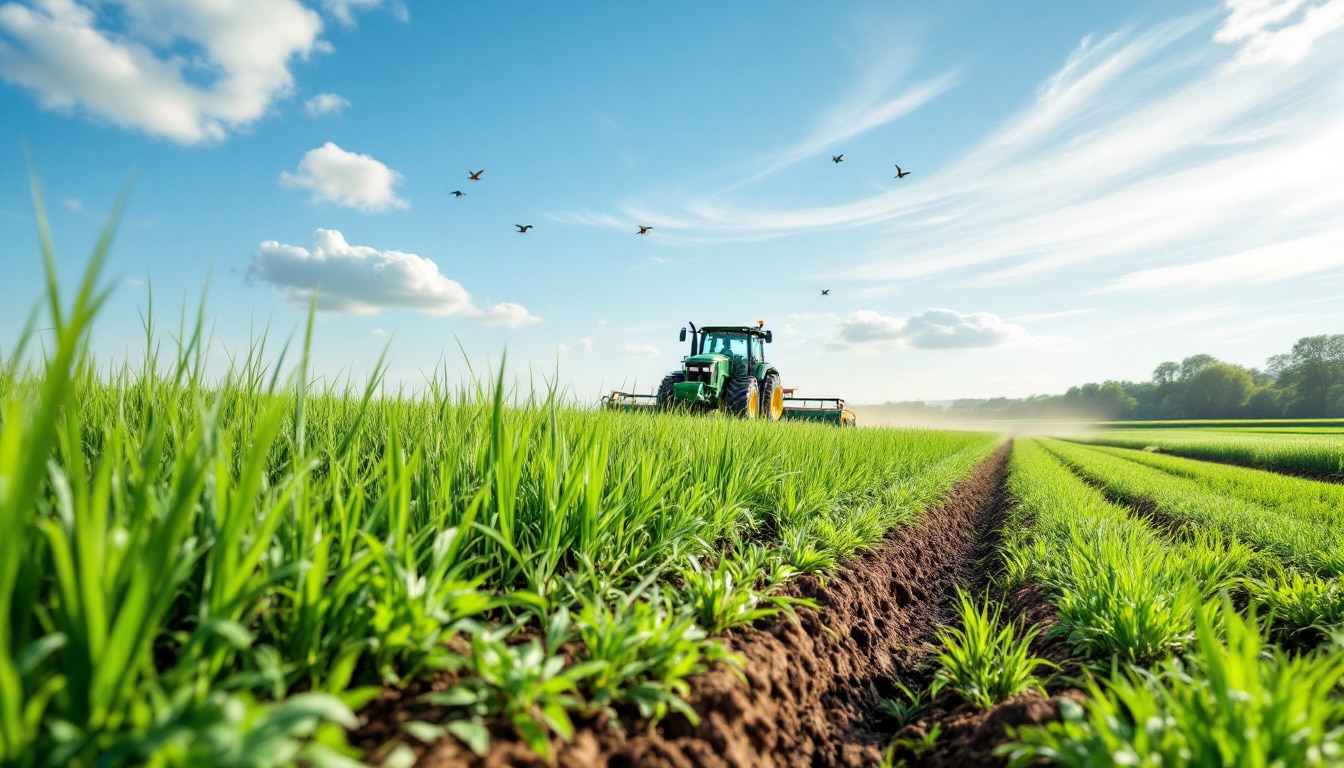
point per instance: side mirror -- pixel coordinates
(683, 334)
(769, 336)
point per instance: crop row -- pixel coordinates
(1318, 454)
(200, 571)
(1306, 538)
(1179, 676)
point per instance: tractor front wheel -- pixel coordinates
(772, 399)
(666, 396)
(742, 397)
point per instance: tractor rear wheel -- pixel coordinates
(666, 397)
(742, 397)
(772, 399)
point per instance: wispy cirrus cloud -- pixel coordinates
(1270, 30)
(1149, 148)
(1257, 266)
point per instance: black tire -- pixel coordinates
(665, 400)
(772, 385)
(741, 397)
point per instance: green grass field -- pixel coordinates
(228, 571)
(1309, 451)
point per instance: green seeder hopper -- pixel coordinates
(726, 371)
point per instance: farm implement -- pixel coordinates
(726, 371)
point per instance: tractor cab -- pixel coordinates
(740, 349)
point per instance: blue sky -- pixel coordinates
(1094, 188)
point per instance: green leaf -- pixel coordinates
(457, 696)
(426, 732)
(473, 733)
(401, 756)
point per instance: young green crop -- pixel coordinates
(179, 556)
(985, 660)
(1120, 590)
(1233, 701)
(1316, 453)
(1321, 502)
(1296, 538)
(1303, 610)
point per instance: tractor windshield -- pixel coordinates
(731, 344)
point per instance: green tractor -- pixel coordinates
(726, 371)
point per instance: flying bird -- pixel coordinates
(643, 230)
(840, 158)
(458, 193)
(522, 227)
(475, 176)
(825, 291)
(901, 174)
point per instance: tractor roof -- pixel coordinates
(747, 329)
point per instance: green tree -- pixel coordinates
(1192, 365)
(1265, 402)
(1166, 373)
(1312, 374)
(1217, 391)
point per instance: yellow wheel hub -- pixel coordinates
(777, 402)
(753, 405)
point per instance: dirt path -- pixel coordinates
(967, 737)
(814, 687)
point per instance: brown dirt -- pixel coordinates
(813, 686)
(969, 737)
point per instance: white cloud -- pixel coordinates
(868, 108)
(378, 332)
(325, 104)
(346, 178)
(509, 313)
(73, 204)
(344, 10)
(931, 329)
(1150, 146)
(1267, 264)
(356, 278)
(640, 350)
(187, 70)
(1278, 30)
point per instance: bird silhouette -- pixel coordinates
(458, 193)
(475, 176)
(643, 230)
(523, 227)
(840, 158)
(825, 291)
(901, 174)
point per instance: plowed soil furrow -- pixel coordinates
(813, 686)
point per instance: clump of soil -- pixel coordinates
(969, 737)
(813, 686)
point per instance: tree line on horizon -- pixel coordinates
(1306, 382)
